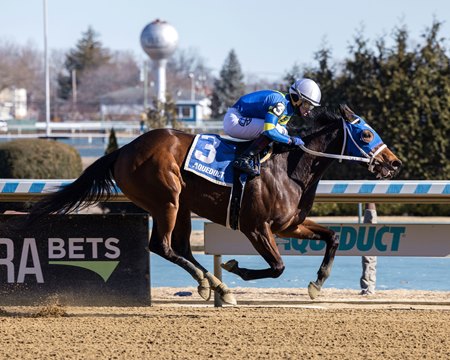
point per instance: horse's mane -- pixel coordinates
(319, 120)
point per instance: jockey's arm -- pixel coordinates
(270, 130)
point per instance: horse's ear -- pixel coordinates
(346, 112)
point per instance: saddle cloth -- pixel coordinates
(211, 156)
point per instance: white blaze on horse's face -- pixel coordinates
(365, 141)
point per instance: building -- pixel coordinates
(130, 103)
(13, 104)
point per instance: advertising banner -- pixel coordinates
(94, 260)
(354, 240)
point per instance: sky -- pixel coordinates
(269, 37)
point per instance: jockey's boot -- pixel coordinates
(246, 162)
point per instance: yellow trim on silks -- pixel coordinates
(279, 92)
(284, 120)
(268, 126)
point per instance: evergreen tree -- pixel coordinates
(88, 54)
(405, 96)
(112, 143)
(324, 75)
(431, 107)
(228, 87)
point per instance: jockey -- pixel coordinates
(263, 115)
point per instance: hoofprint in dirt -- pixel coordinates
(205, 332)
(292, 296)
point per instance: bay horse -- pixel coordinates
(149, 171)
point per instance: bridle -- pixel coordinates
(368, 158)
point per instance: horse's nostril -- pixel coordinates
(396, 164)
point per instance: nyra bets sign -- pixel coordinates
(76, 259)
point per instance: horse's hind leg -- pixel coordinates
(161, 245)
(263, 241)
(310, 230)
(181, 245)
(164, 221)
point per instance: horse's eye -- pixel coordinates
(367, 136)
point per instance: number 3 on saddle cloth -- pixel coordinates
(211, 157)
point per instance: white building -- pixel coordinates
(13, 104)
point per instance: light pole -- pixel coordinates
(192, 77)
(74, 89)
(47, 75)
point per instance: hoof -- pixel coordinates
(204, 290)
(228, 299)
(225, 295)
(313, 290)
(230, 265)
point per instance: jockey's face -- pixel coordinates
(305, 107)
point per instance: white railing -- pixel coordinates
(353, 191)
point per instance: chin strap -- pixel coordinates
(368, 158)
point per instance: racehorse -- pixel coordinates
(149, 171)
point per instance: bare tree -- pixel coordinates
(20, 66)
(184, 67)
(120, 72)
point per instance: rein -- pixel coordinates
(368, 158)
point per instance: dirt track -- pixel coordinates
(337, 329)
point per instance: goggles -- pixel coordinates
(304, 102)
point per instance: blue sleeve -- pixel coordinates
(271, 131)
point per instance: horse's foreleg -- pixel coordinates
(264, 242)
(313, 231)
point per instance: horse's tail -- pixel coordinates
(94, 184)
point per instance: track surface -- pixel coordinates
(336, 327)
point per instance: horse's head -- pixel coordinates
(363, 141)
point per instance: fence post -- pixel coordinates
(217, 274)
(369, 263)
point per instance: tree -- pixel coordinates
(88, 54)
(20, 66)
(163, 114)
(120, 72)
(228, 87)
(404, 93)
(112, 143)
(325, 76)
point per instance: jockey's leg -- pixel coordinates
(246, 161)
(240, 127)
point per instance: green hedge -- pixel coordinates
(39, 159)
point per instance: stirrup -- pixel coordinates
(246, 166)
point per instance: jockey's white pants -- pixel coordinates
(238, 126)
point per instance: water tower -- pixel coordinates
(159, 40)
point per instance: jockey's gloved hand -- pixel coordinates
(296, 141)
